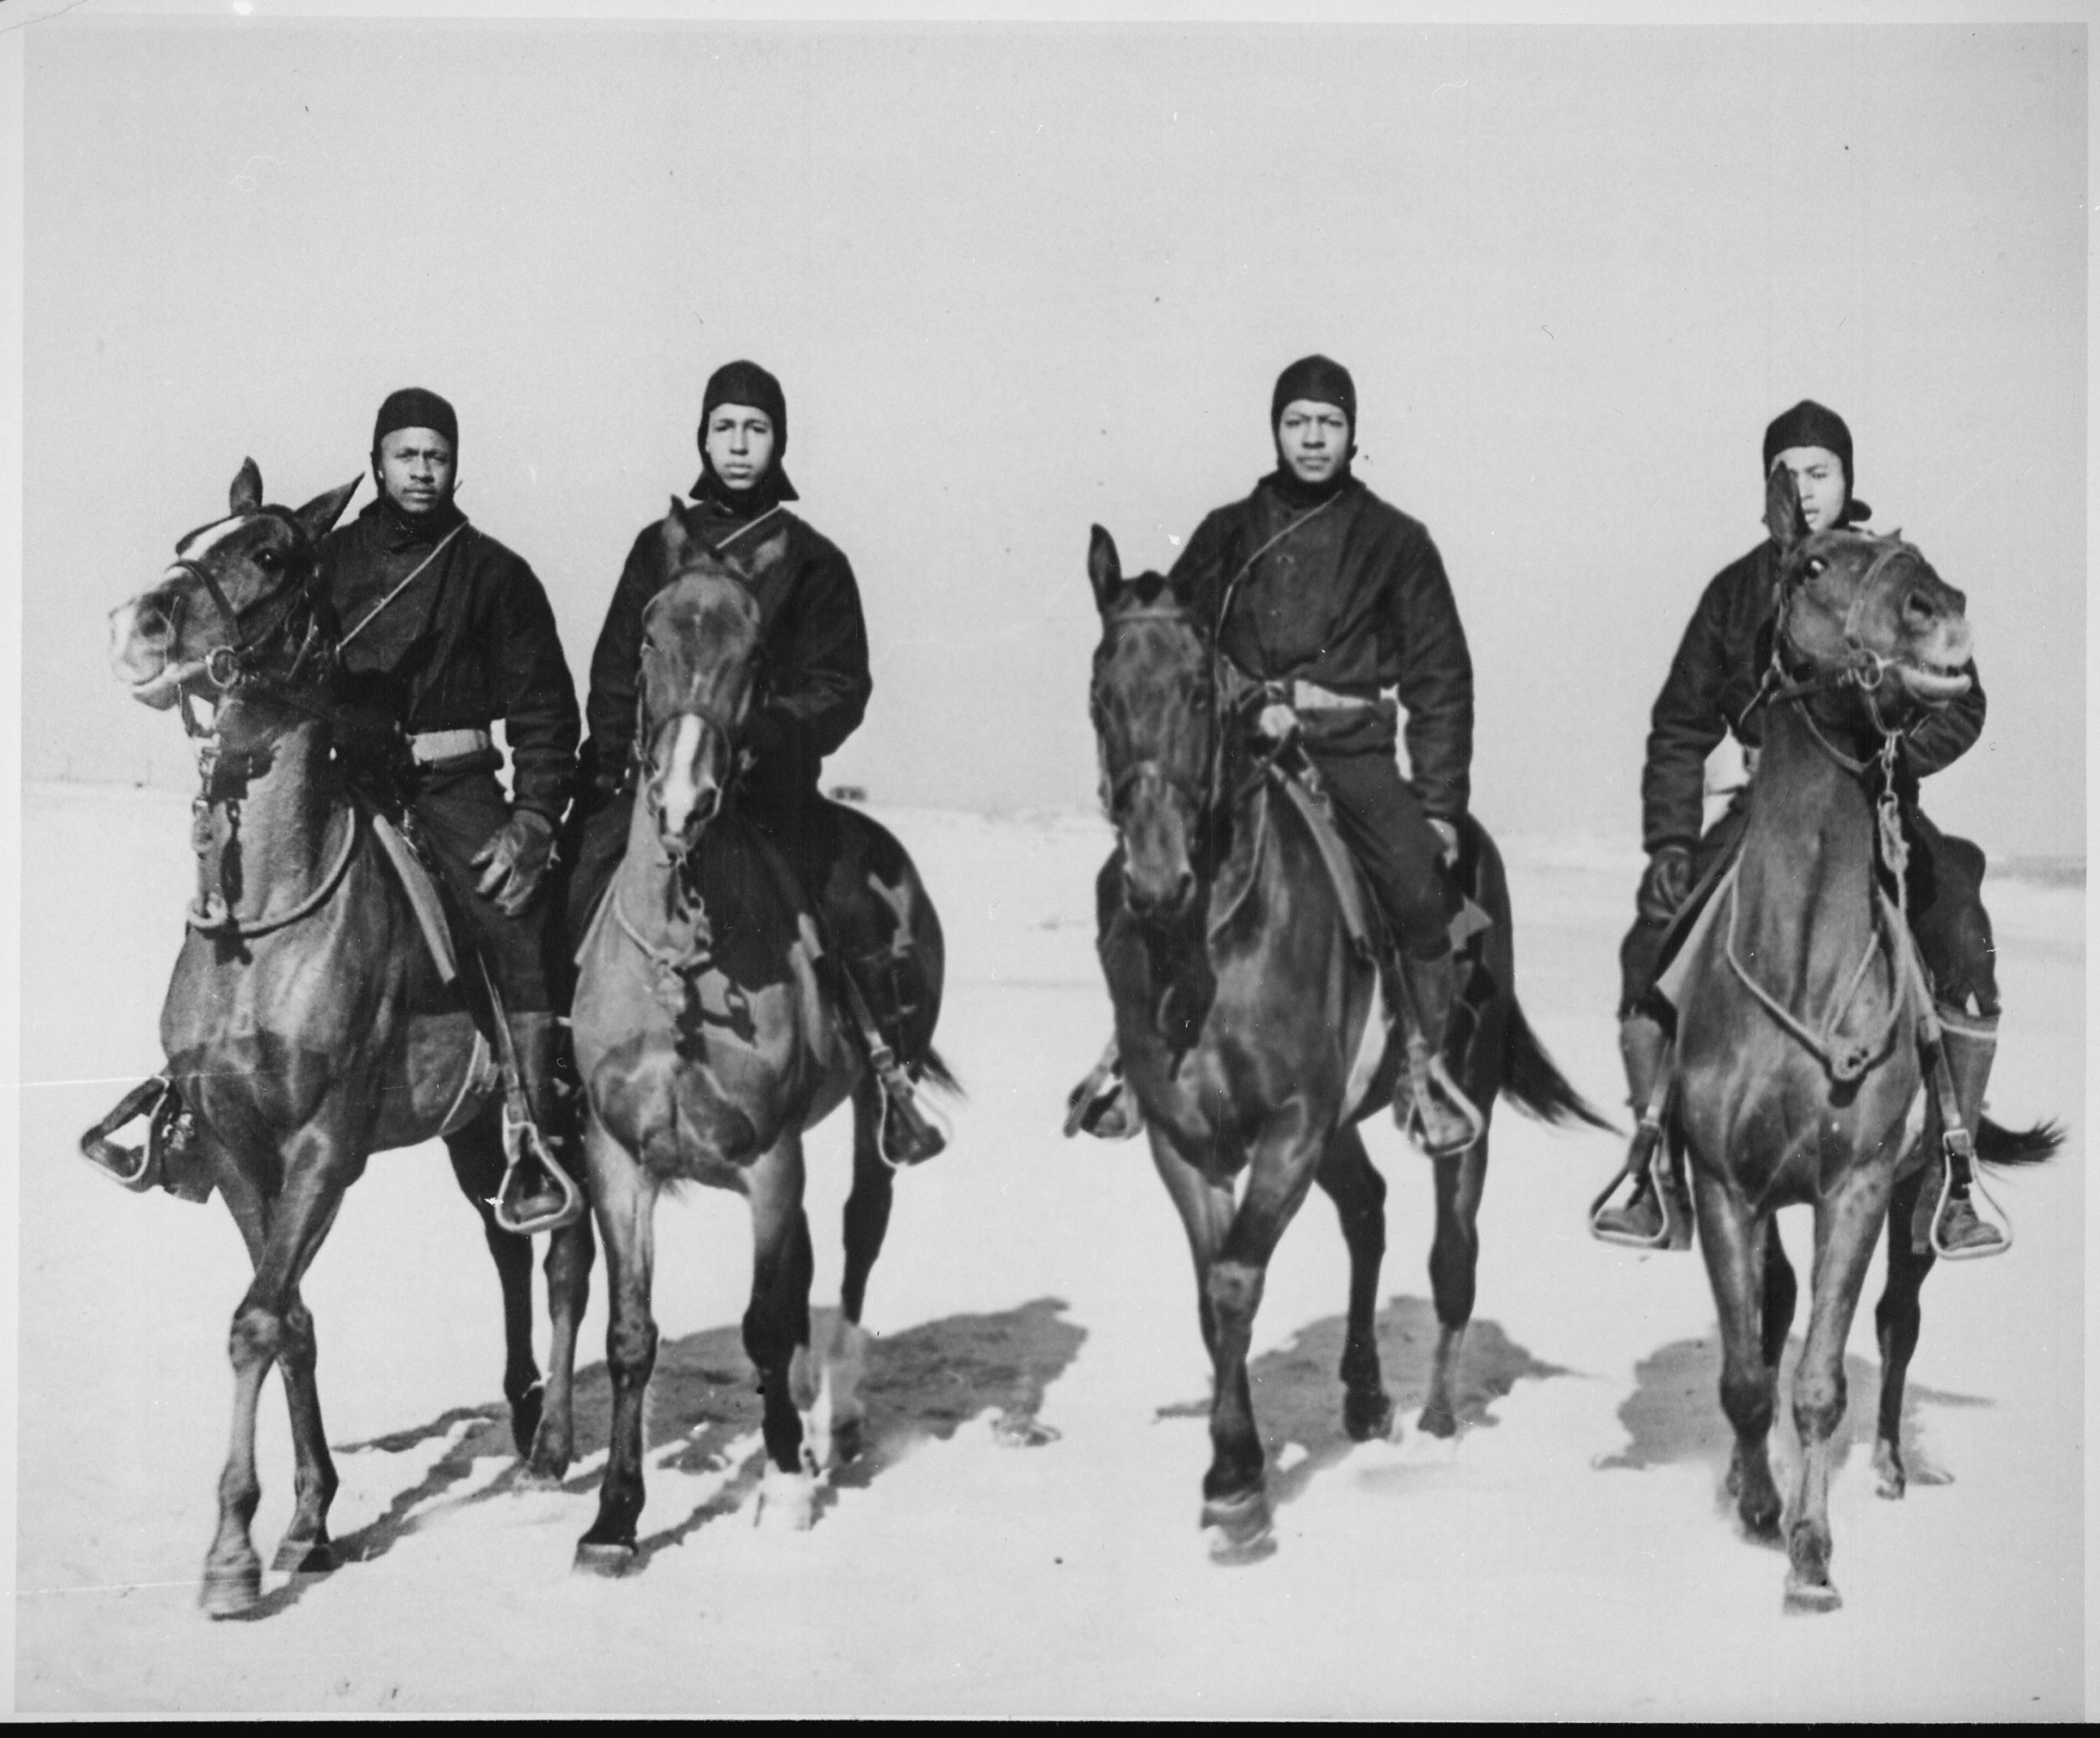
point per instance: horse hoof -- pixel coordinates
(786, 1502)
(304, 1557)
(1367, 1418)
(1808, 1598)
(848, 1437)
(609, 1561)
(1238, 1530)
(534, 1476)
(1889, 1480)
(1438, 1421)
(525, 1422)
(232, 1593)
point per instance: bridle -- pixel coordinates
(1195, 789)
(241, 666)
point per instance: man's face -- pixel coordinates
(740, 444)
(1819, 474)
(1313, 439)
(414, 470)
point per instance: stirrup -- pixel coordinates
(1958, 1145)
(1104, 1105)
(522, 1141)
(135, 1168)
(1429, 1065)
(906, 1136)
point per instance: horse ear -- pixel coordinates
(1103, 568)
(1783, 515)
(676, 537)
(246, 494)
(318, 517)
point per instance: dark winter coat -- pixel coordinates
(471, 641)
(813, 647)
(1716, 674)
(1357, 601)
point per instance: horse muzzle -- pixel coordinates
(1932, 687)
(140, 634)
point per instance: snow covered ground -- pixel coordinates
(1022, 1537)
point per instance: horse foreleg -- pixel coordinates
(1733, 1241)
(569, 1254)
(1206, 1209)
(837, 1416)
(623, 1196)
(1896, 1321)
(305, 1548)
(1358, 1191)
(776, 1328)
(1284, 1162)
(1454, 1257)
(262, 1332)
(476, 1152)
(1846, 1230)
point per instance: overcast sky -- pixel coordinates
(1016, 281)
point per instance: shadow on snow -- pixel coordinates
(1298, 1392)
(705, 1411)
(1674, 1415)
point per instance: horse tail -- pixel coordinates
(934, 1070)
(1531, 1082)
(2026, 1146)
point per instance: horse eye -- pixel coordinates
(1817, 567)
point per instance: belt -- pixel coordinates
(426, 746)
(1310, 697)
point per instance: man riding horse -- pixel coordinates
(1716, 679)
(1323, 596)
(813, 648)
(445, 631)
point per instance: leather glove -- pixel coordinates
(1448, 832)
(1666, 885)
(514, 862)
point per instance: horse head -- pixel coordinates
(1856, 609)
(699, 642)
(1155, 722)
(240, 605)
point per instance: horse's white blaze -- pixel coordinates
(682, 788)
(1371, 1052)
(202, 542)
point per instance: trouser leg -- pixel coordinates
(1391, 838)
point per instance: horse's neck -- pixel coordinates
(1807, 884)
(273, 829)
(647, 874)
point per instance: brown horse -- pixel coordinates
(711, 1031)
(1253, 1031)
(1801, 1009)
(307, 1027)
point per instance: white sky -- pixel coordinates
(1017, 279)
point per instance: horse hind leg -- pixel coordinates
(776, 1332)
(1358, 1191)
(476, 1153)
(1454, 1257)
(837, 1417)
(1897, 1317)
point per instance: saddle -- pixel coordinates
(421, 885)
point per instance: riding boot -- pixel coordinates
(534, 1196)
(1658, 1214)
(1969, 1044)
(1104, 1105)
(879, 1006)
(1428, 1103)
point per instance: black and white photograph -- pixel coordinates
(1330, 964)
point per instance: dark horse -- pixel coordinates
(711, 1031)
(1253, 1029)
(1803, 1007)
(307, 1025)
